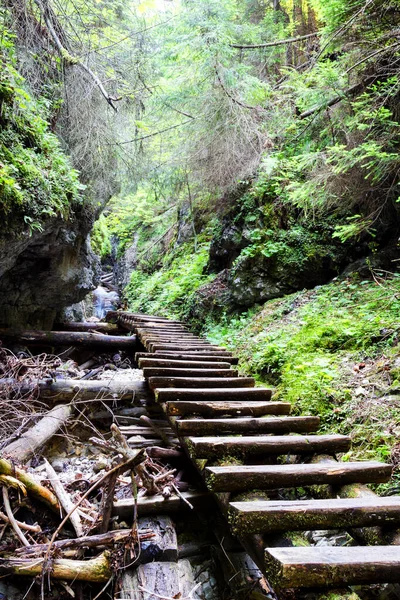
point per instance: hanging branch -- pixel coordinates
(235, 100)
(72, 60)
(277, 43)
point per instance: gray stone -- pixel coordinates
(58, 465)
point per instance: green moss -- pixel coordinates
(306, 345)
(36, 179)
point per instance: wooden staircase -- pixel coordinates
(246, 446)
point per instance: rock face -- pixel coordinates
(42, 273)
(258, 279)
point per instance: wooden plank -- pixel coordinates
(219, 351)
(160, 371)
(326, 566)
(216, 409)
(213, 394)
(188, 357)
(247, 425)
(196, 382)
(264, 477)
(265, 445)
(158, 505)
(338, 513)
(181, 347)
(181, 364)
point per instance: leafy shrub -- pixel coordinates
(36, 179)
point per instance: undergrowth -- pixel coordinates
(169, 291)
(36, 178)
(331, 352)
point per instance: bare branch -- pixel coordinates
(71, 59)
(277, 43)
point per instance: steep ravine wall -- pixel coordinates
(41, 274)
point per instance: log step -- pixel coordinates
(217, 409)
(247, 425)
(211, 352)
(264, 477)
(213, 394)
(196, 382)
(188, 357)
(181, 364)
(165, 371)
(181, 347)
(266, 516)
(327, 566)
(266, 445)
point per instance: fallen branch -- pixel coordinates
(64, 499)
(273, 44)
(11, 518)
(23, 448)
(21, 524)
(90, 541)
(72, 60)
(95, 570)
(34, 488)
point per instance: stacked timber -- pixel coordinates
(236, 436)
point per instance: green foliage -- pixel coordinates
(306, 345)
(170, 290)
(36, 179)
(100, 238)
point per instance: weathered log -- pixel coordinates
(159, 505)
(201, 352)
(89, 541)
(200, 382)
(110, 328)
(325, 566)
(233, 408)
(247, 425)
(69, 338)
(162, 362)
(213, 394)
(188, 357)
(95, 570)
(163, 453)
(367, 535)
(183, 347)
(265, 445)
(271, 516)
(37, 436)
(73, 389)
(158, 580)
(170, 372)
(33, 488)
(246, 477)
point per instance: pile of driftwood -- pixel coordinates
(52, 531)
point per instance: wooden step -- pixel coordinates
(203, 382)
(181, 347)
(264, 477)
(182, 364)
(164, 371)
(188, 357)
(219, 352)
(327, 566)
(213, 394)
(248, 425)
(217, 409)
(338, 513)
(265, 445)
(169, 337)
